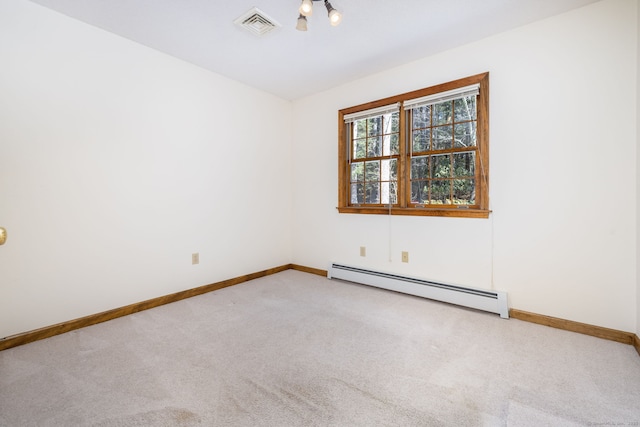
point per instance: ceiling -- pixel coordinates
(374, 34)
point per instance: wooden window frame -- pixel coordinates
(404, 206)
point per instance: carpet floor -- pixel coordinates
(295, 349)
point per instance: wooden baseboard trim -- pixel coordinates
(311, 270)
(570, 325)
(93, 319)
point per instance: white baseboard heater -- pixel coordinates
(491, 301)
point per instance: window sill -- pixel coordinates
(452, 213)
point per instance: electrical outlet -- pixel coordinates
(363, 251)
(195, 258)
(405, 256)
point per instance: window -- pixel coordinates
(420, 153)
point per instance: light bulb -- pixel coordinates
(306, 8)
(302, 23)
(335, 17)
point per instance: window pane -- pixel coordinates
(421, 117)
(357, 194)
(390, 145)
(359, 148)
(359, 128)
(391, 123)
(442, 137)
(421, 140)
(440, 192)
(374, 147)
(442, 113)
(372, 194)
(441, 166)
(389, 192)
(374, 126)
(357, 172)
(419, 167)
(464, 164)
(389, 170)
(465, 108)
(372, 171)
(465, 134)
(393, 185)
(419, 192)
(464, 192)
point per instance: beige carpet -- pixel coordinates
(295, 349)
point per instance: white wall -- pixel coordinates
(562, 236)
(117, 162)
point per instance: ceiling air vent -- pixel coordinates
(257, 22)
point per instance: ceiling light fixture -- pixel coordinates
(306, 9)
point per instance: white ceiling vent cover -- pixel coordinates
(257, 22)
